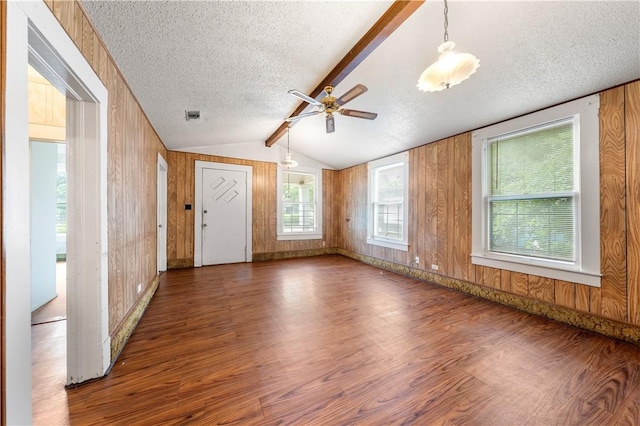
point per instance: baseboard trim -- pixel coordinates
(279, 255)
(186, 262)
(127, 327)
(604, 326)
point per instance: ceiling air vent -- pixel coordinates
(192, 115)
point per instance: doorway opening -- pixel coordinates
(35, 37)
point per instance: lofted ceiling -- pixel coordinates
(234, 61)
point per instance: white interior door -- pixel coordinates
(224, 218)
(162, 214)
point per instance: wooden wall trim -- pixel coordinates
(121, 335)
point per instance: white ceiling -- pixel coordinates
(235, 61)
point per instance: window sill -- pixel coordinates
(388, 243)
(569, 275)
(295, 236)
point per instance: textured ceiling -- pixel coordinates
(234, 61)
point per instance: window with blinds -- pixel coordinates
(532, 195)
(535, 193)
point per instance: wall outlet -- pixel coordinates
(417, 260)
(434, 267)
(324, 243)
(139, 287)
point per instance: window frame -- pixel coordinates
(317, 193)
(586, 267)
(372, 167)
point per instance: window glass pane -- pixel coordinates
(542, 227)
(298, 203)
(538, 162)
(389, 183)
(388, 221)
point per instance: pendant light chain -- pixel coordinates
(446, 21)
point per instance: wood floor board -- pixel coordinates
(329, 340)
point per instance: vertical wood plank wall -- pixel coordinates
(440, 217)
(181, 191)
(133, 147)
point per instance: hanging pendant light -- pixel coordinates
(451, 68)
(288, 162)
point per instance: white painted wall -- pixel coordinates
(44, 164)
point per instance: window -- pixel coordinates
(536, 194)
(388, 195)
(299, 204)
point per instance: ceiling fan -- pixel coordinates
(330, 105)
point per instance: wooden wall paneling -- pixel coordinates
(505, 279)
(541, 288)
(64, 11)
(492, 277)
(632, 132)
(519, 283)
(270, 210)
(582, 297)
(416, 208)
(88, 38)
(172, 205)
(329, 204)
(595, 300)
(413, 205)
(565, 294)
(462, 267)
(431, 205)
(259, 220)
(442, 203)
(77, 26)
(613, 246)
(361, 192)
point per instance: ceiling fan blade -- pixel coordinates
(356, 91)
(330, 124)
(359, 114)
(298, 117)
(298, 94)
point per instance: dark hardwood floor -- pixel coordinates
(331, 341)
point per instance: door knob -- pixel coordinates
(160, 226)
(204, 225)
(205, 211)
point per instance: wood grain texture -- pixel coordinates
(632, 132)
(132, 149)
(463, 269)
(565, 294)
(582, 297)
(613, 245)
(541, 288)
(181, 191)
(343, 343)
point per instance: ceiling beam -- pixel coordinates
(387, 24)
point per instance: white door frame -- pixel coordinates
(162, 214)
(197, 226)
(35, 36)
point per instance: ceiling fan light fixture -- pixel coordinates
(451, 68)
